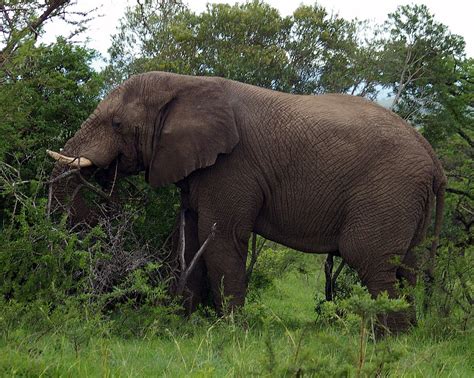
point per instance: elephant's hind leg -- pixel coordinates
(407, 277)
(376, 260)
(393, 321)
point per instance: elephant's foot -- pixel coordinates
(195, 297)
(394, 323)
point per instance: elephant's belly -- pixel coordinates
(302, 235)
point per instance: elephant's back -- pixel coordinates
(335, 133)
(349, 113)
(357, 129)
(334, 136)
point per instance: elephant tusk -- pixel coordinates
(80, 162)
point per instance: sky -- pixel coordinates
(456, 14)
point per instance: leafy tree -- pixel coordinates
(425, 68)
(144, 31)
(326, 53)
(242, 42)
(309, 52)
(49, 91)
(418, 56)
(451, 126)
(453, 111)
(45, 91)
(245, 43)
(23, 20)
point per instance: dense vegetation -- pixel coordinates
(94, 300)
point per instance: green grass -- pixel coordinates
(277, 334)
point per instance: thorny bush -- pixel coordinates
(115, 265)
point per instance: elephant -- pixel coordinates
(330, 174)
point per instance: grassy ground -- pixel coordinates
(278, 334)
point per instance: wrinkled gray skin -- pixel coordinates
(319, 174)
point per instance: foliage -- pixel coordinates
(46, 94)
(46, 91)
(273, 261)
(420, 58)
(243, 42)
(326, 53)
(22, 22)
(49, 269)
(249, 42)
(275, 336)
(59, 259)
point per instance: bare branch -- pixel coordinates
(254, 255)
(25, 22)
(32, 27)
(115, 178)
(96, 190)
(185, 274)
(53, 6)
(402, 83)
(338, 271)
(63, 176)
(330, 277)
(182, 240)
(50, 201)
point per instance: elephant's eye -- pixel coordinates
(116, 124)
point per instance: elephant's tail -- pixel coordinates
(439, 189)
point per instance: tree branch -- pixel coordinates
(96, 190)
(402, 83)
(62, 176)
(466, 137)
(53, 6)
(254, 255)
(15, 38)
(28, 24)
(185, 273)
(460, 192)
(182, 240)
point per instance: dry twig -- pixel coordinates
(186, 271)
(255, 252)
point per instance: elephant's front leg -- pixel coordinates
(232, 200)
(225, 260)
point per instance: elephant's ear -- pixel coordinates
(196, 126)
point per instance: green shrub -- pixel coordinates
(48, 268)
(273, 261)
(40, 259)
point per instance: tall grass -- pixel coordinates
(276, 334)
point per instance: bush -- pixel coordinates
(109, 269)
(272, 262)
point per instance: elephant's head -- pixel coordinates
(168, 125)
